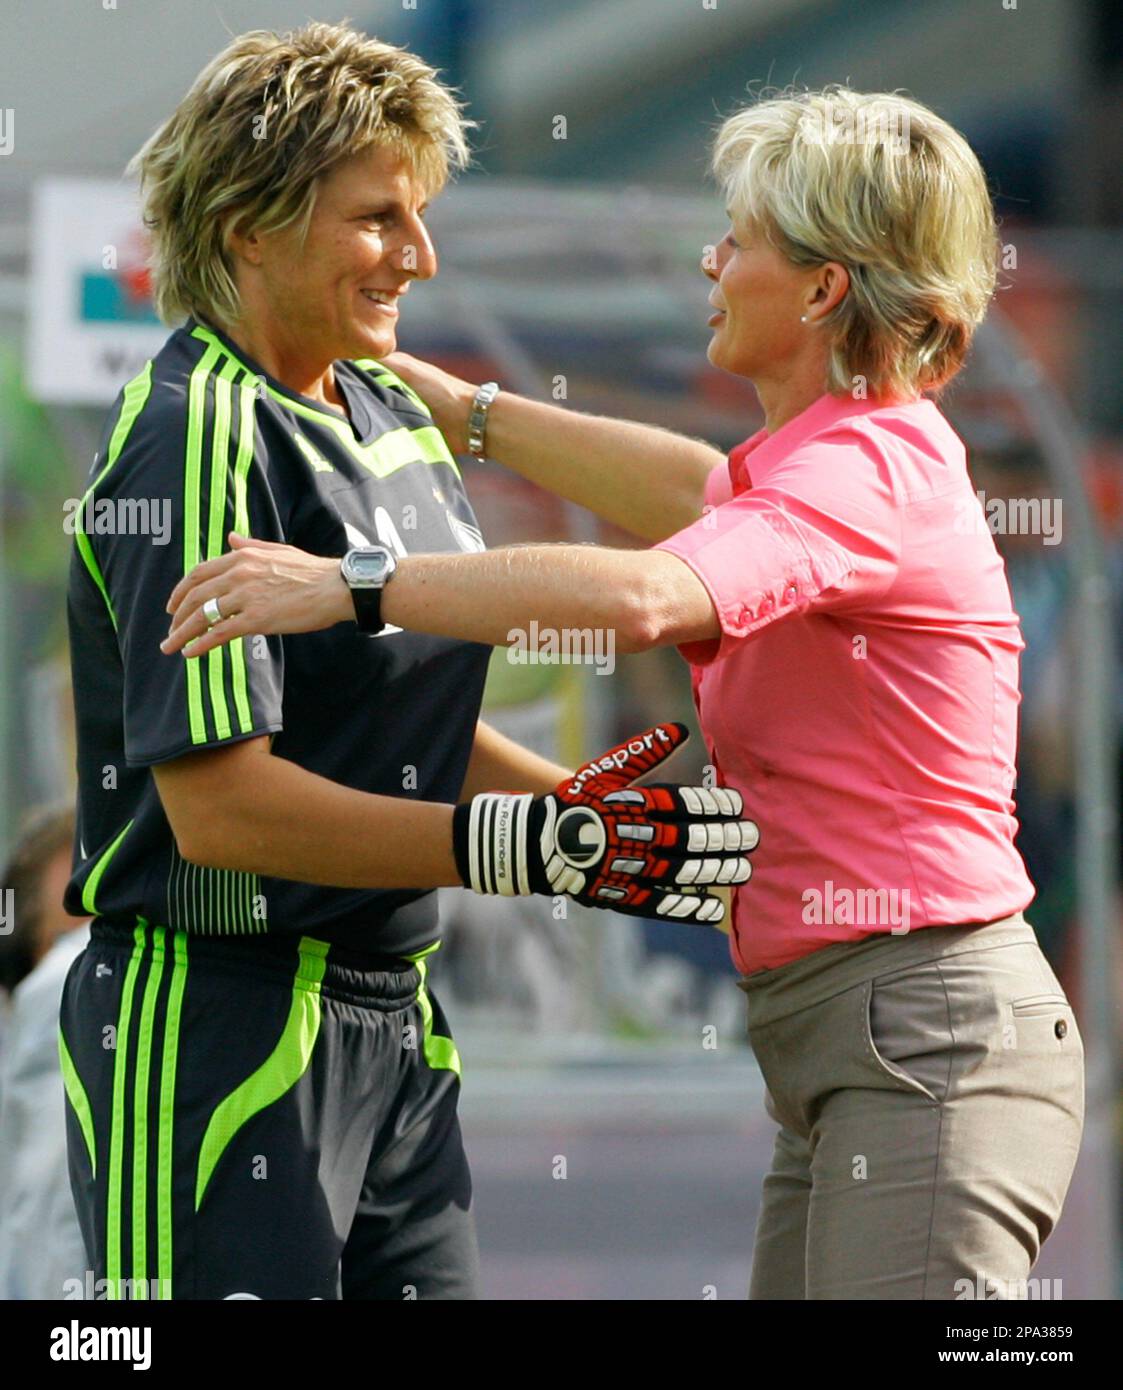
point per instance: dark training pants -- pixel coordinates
(263, 1118)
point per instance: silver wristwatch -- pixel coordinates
(477, 418)
(366, 570)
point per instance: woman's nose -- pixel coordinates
(710, 263)
(418, 254)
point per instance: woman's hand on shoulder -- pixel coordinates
(448, 397)
(260, 587)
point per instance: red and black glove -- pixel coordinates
(649, 851)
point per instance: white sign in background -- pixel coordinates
(76, 226)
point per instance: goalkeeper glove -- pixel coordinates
(648, 851)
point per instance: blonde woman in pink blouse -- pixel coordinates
(854, 654)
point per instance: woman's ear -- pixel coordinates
(832, 286)
(238, 241)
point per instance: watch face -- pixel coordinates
(369, 567)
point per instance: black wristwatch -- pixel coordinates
(366, 570)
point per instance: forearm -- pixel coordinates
(281, 821)
(493, 597)
(499, 764)
(646, 480)
(637, 599)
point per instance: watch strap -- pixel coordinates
(368, 608)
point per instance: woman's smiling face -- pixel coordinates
(759, 297)
(337, 295)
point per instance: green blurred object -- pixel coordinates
(511, 684)
(36, 480)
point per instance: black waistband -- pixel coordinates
(341, 971)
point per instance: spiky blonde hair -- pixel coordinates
(260, 125)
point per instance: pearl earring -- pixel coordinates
(803, 318)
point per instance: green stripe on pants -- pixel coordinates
(440, 1053)
(167, 1115)
(115, 1195)
(140, 1117)
(79, 1100)
(280, 1071)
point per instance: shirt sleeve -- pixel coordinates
(719, 488)
(822, 535)
(187, 474)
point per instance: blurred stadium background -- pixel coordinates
(569, 270)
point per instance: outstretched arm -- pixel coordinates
(646, 480)
(644, 598)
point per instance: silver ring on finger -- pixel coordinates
(212, 612)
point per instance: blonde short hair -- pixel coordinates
(261, 124)
(888, 189)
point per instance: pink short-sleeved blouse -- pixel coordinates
(863, 694)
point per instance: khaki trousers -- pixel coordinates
(929, 1089)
